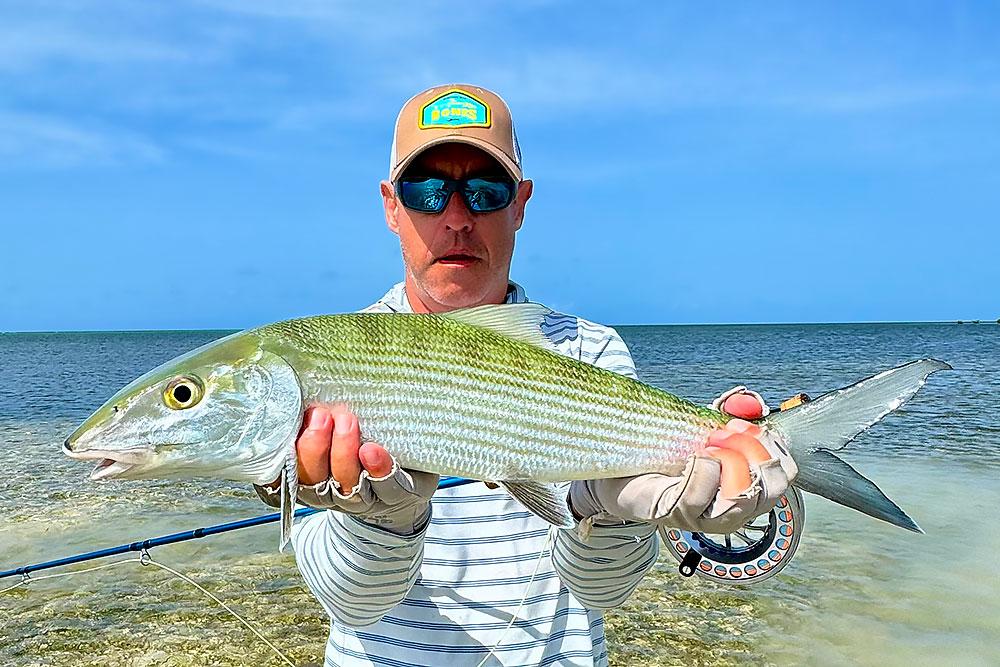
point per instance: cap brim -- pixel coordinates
(509, 165)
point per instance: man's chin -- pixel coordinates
(458, 298)
(458, 288)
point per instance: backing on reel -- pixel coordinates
(758, 550)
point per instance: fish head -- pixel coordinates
(230, 409)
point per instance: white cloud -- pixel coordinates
(30, 43)
(32, 140)
(236, 150)
(567, 81)
(308, 10)
(206, 72)
(878, 96)
(386, 27)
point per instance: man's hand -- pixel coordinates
(739, 475)
(329, 446)
(337, 471)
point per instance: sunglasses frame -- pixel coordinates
(453, 185)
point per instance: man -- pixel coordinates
(467, 576)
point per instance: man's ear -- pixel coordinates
(391, 206)
(524, 190)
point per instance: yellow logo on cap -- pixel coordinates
(455, 108)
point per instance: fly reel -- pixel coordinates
(758, 550)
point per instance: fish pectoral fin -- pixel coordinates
(546, 500)
(519, 321)
(289, 492)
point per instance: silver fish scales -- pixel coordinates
(468, 401)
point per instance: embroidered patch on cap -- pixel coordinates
(455, 108)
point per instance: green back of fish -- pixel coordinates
(454, 398)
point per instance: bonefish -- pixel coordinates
(477, 393)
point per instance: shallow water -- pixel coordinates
(858, 591)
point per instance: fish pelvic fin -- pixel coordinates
(289, 492)
(812, 431)
(547, 501)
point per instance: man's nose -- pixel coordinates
(456, 216)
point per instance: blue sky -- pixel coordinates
(215, 163)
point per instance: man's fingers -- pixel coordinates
(742, 426)
(743, 406)
(735, 478)
(345, 467)
(313, 446)
(375, 459)
(747, 445)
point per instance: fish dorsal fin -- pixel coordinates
(545, 500)
(519, 321)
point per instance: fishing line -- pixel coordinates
(538, 563)
(27, 579)
(145, 559)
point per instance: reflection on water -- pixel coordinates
(858, 591)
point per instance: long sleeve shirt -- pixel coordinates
(446, 594)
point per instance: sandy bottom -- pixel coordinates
(857, 592)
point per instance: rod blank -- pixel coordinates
(174, 538)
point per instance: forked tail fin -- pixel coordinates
(812, 430)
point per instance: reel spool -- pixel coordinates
(751, 554)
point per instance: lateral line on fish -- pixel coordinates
(577, 390)
(640, 416)
(632, 406)
(548, 422)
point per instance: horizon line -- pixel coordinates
(666, 324)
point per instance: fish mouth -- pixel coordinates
(111, 464)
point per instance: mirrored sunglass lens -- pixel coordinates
(427, 194)
(486, 195)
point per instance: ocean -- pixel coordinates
(858, 591)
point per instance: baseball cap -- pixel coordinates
(455, 113)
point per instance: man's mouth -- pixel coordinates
(457, 259)
(111, 464)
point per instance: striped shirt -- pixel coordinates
(446, 595)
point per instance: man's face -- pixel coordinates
(456, 258)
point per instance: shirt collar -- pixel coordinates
(396, 301)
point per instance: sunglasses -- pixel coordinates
(431, 195)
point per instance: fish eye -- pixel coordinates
(183, 392)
